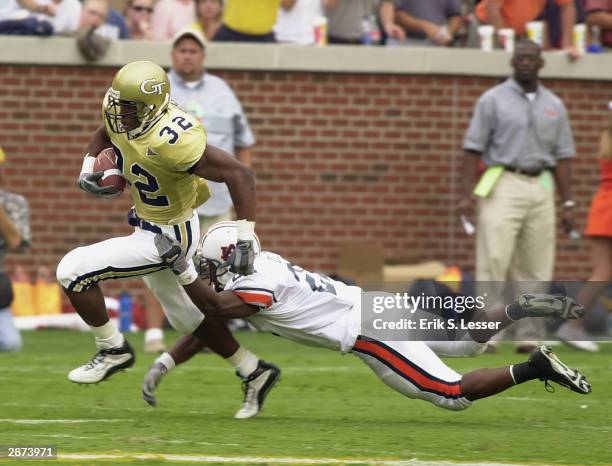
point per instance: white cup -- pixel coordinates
(320, 31)
(506, 39)
(485, 33)
(580, 38)
(535, 32)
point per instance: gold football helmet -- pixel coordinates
(138, 96)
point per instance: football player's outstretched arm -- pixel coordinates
(217, 165)
(226, 304)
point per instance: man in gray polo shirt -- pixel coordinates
(523, 127)
(210, 99)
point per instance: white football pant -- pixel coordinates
(136, 256)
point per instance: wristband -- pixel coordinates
(188, 276)
(246, 230)
(88, 164)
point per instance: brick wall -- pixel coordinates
(339, 157)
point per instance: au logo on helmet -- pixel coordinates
(157, 88)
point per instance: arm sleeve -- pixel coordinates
(481, 126)
(565, 146)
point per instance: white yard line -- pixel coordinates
(268, 460)
(56, 421)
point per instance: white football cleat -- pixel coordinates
(105, 363)
(577, 338)
(256, 388)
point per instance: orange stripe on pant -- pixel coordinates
(448, 389)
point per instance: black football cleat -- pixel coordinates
(550, 368)
(545, 305)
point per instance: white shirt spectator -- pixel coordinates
(66, 18)
(9, 9)
(296, 26)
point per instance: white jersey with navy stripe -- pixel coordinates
(303, 306)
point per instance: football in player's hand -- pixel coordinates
(106, 161)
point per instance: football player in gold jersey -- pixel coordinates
(162, 153)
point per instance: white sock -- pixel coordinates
(167, 360)
(244, 362)
(107, 336)
(153, 334)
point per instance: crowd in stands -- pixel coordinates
(442, 23)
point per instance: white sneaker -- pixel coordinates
(104, 364)
(577, 338)
(256, 388)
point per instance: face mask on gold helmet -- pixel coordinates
(139, 94)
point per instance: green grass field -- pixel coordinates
(327, 406)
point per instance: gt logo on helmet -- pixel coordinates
(157, 88)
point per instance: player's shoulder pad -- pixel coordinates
(179, 138)
(258, 288)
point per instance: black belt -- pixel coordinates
(521, 171)
(136, 221)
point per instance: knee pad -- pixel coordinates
(66, 269)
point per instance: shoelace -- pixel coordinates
(97, 359)
(548, 387)
(248, 393)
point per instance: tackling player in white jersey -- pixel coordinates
(162, 153)
(312, 309)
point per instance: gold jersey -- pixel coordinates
(156, 165)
